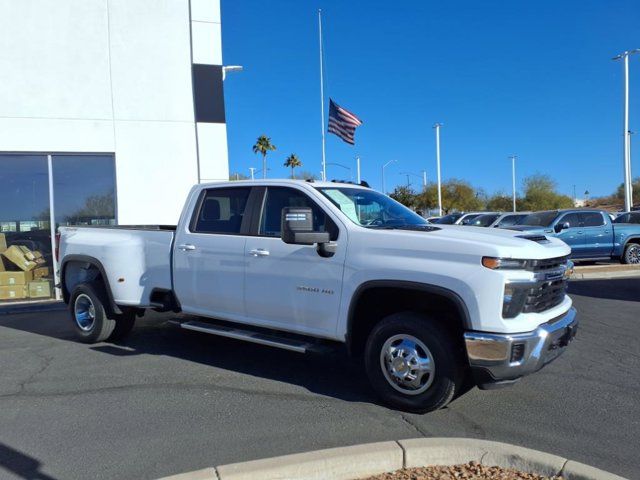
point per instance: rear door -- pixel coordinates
(209, 254)
(574, 235)
(598, 235)
(288, 286)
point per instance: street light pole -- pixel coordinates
(253, 171)
(358, 168)
(424, 179)
(513, 179)
(626, 157)
(437, 127)
(384, 188)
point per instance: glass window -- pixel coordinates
(449, 219)
(540, 219)
(573, 219)
(469, 218)
(592, 219)
(222, 210)
(281, 197)
(26, 268)
(484, 220)
(624, 218)
(510, 220)
(371, 209)
(84, 189)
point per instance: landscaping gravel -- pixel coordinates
(468, 471)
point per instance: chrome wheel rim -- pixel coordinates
(84, 312)
(633, 254)
(407, 364)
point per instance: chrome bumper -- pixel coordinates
(503, 358)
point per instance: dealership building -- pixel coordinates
(110, 111)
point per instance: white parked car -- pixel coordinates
(300, 265)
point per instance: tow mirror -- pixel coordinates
(297, 227)
(561, 226)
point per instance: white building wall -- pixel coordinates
(114, 76)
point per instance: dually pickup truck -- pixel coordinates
(433, 309)
(590, 234)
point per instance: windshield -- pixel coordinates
(540, 219)
(449, 219)
(484, 220)
(628, 218)
(468, 219)
(369, 208)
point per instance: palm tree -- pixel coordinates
(263, 146)
(292, 162)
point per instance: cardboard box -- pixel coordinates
(16, 256)
(40, 289)
(8, 279)
(2, 267)
(40, 272)
(28, 254)
(13, 292)
(3, 242)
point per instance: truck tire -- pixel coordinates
(124, 323)
(631, 254)
(413, 363)
(88, 314)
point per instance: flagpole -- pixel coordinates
(324, 160)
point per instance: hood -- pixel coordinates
(474, 242)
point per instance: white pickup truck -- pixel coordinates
(300, 265)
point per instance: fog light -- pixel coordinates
(517, 352)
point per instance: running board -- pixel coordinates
(285, 343)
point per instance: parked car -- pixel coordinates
(460, 218)
(303, 265)
(590, 234)
(628, 217)
(499, 220)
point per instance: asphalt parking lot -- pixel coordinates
(167, 401)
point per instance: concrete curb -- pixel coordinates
(45, 306)
(605, 272)
(360, 461)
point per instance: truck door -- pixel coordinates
(292, 286)
(574, 235)
(209, 259)
(598, 235)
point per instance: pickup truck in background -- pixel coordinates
(590, 234)
(301, 265)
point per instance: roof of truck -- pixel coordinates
(280, 181)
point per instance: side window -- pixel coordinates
(573, 219)
(592, 219)
(221, 211)
(279, 197)
(509, 220)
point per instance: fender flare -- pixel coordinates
(461, 307)
(94, 262)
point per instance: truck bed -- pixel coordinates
(136, 259)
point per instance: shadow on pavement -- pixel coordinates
(627, 289)
(20, 464)
(334, 374)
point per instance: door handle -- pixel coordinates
(259, 252)
(186, 247)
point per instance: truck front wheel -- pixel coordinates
(413, 363)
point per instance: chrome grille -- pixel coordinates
(546, 264)
(545, 296)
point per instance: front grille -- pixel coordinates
(546, 264)
(545, 296)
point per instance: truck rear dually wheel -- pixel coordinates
(413, 363)
(93, 321)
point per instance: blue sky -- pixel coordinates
(531, 78)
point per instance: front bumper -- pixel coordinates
(500, 359)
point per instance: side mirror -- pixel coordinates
(297, 227)
(561, 226)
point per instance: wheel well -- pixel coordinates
(375, 303)
(74, 272)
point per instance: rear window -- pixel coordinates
(592, 219)
(221, 210)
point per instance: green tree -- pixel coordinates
(292, 162)
(306, 175)
(405, 195)
(635, 185)
(263, 146)
(500, 202)
(540, 194)
(456, 195)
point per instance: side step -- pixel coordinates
(285, 343)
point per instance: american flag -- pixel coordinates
(342, 122)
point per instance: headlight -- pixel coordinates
(503, 263)
(514, 299)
